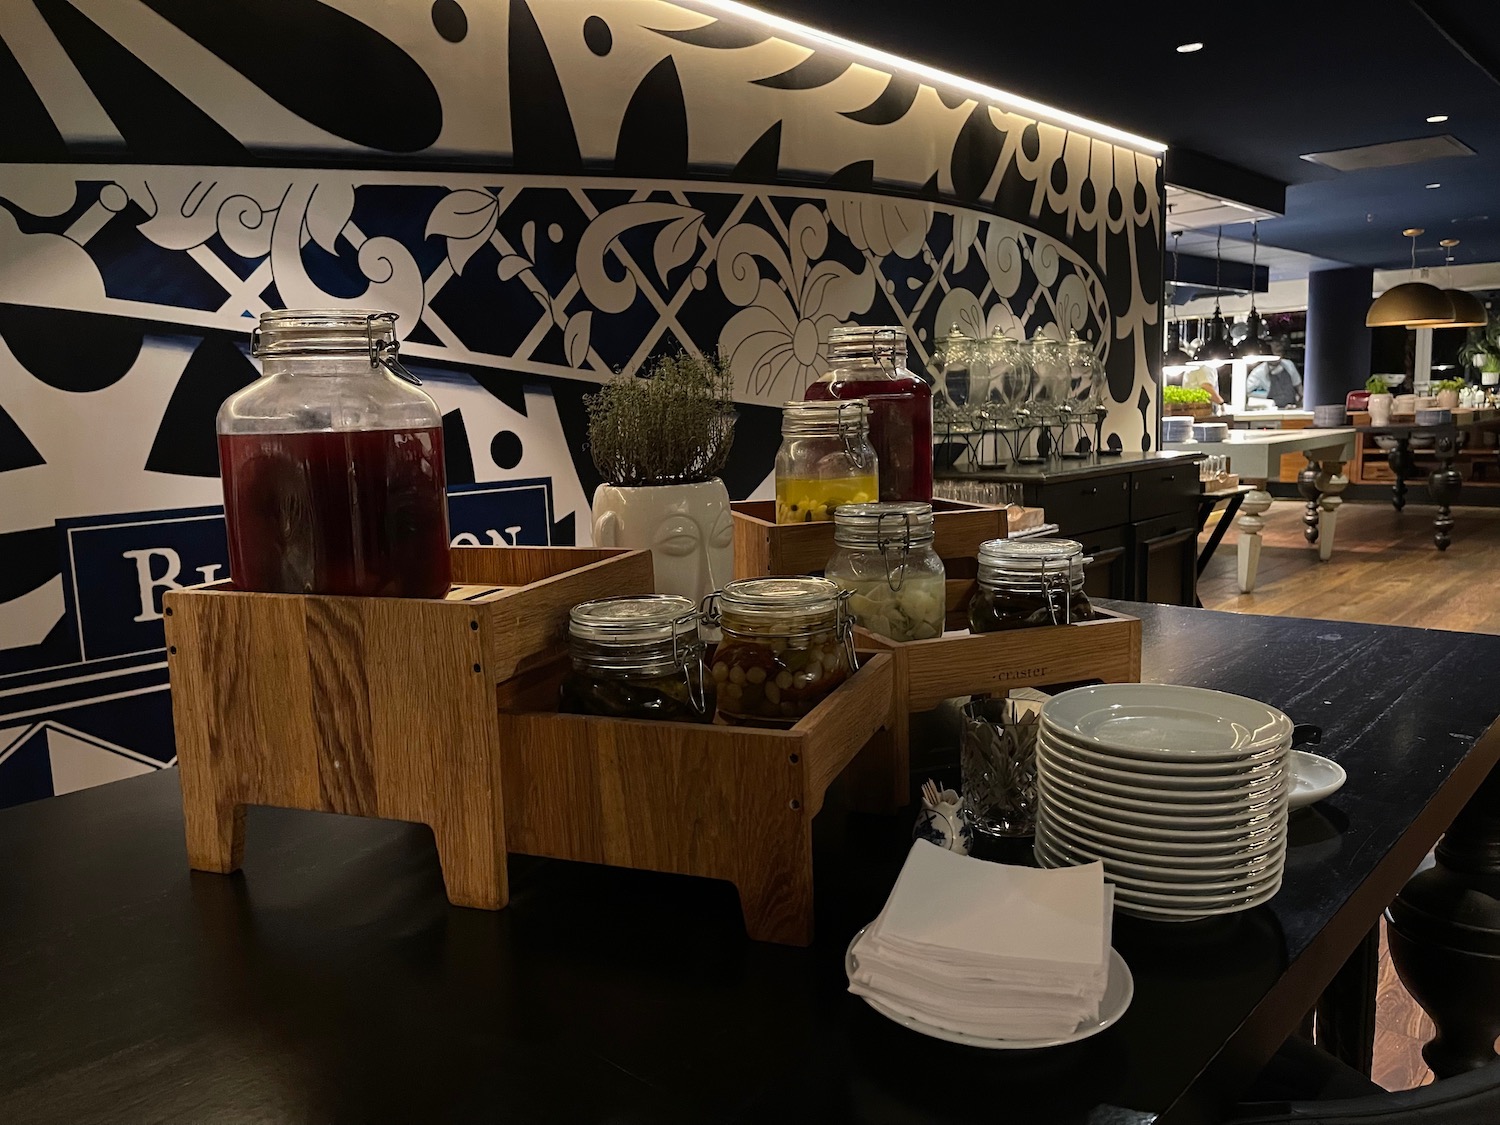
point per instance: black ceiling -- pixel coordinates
(1275, 80)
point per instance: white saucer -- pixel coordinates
(1117, 995)
(1314, 777)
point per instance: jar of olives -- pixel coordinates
(1029, 582)
(637, 658)
(825, 460)
(788, 642)
(884, 559)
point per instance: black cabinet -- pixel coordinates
(1107, 574)
(1135, 514)
(1164, 559)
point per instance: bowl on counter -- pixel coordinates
(1434, 417)
(1329, 417)
(1177, 427)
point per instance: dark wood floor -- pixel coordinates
(1384, 570)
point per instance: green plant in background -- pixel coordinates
(1449, 385)
(1185, 395)
(1482, 348)
(672, 425)
(1376, 385)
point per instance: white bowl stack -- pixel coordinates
(1180, 792)
(1176, 427)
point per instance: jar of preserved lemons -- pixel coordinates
(825, 460)
(884, 559)
(788, 643)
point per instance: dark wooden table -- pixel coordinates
(1444, 482)
(330, 982)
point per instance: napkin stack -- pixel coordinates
(988, 950)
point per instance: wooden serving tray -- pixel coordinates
(382, 707)
(764, 547)
(733, 803)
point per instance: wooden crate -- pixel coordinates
(381, 707)
(732, 803)
(762, 546)
(443, 712)
(964, 663)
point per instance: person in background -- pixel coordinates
(1276, 379)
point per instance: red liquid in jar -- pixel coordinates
(361, 512)
(900, 430)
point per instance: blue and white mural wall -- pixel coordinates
(545, 191)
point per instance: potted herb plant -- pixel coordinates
(660, 440)
(1447, 392)
(1380, 401)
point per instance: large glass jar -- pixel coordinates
(637, 658)
(870, 363)
(1024, 583)
(332, 463)
(788, 642)
(884, 559)
(825, 460)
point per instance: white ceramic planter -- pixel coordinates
(1380, 410)
(687, 528)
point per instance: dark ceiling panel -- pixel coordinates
(1275, 80)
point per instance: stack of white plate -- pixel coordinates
(1176, 427)
(1180, 792)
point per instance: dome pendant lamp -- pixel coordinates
(1412, 304)
(1216, 350)
(1252, 347)
(1467, 310)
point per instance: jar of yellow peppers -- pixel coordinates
(825, 460)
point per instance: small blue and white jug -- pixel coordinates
(944, 820)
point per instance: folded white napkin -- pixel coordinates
(995, 951)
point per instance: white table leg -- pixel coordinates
(1251, 525)
(1331, 482)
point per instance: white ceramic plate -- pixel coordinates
(1189, 914)
(1118, 991)
(1225, 772)
(1185, 830)
(1227, 851)
(1161, 878)
(1143, 795)
(1179, 867)
(1151, 814)
(1184, 896)
(1167, 722)
(1314, 777)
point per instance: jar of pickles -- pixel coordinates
(1029, 582)
(637, 658)
(825, 460)
(788, 642)
(884, 559)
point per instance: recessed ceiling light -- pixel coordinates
(1188, 48)
(1431, 186)
(1435, 119)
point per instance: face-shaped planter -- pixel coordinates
(686, 527)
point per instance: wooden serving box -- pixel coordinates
(762, 546)
(959, 662)
(443, 712)
(732, 803)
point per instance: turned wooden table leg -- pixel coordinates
(1443, 485)
(1251, 524)
(1403, 465)
(1331, 484)
(1444, 931)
